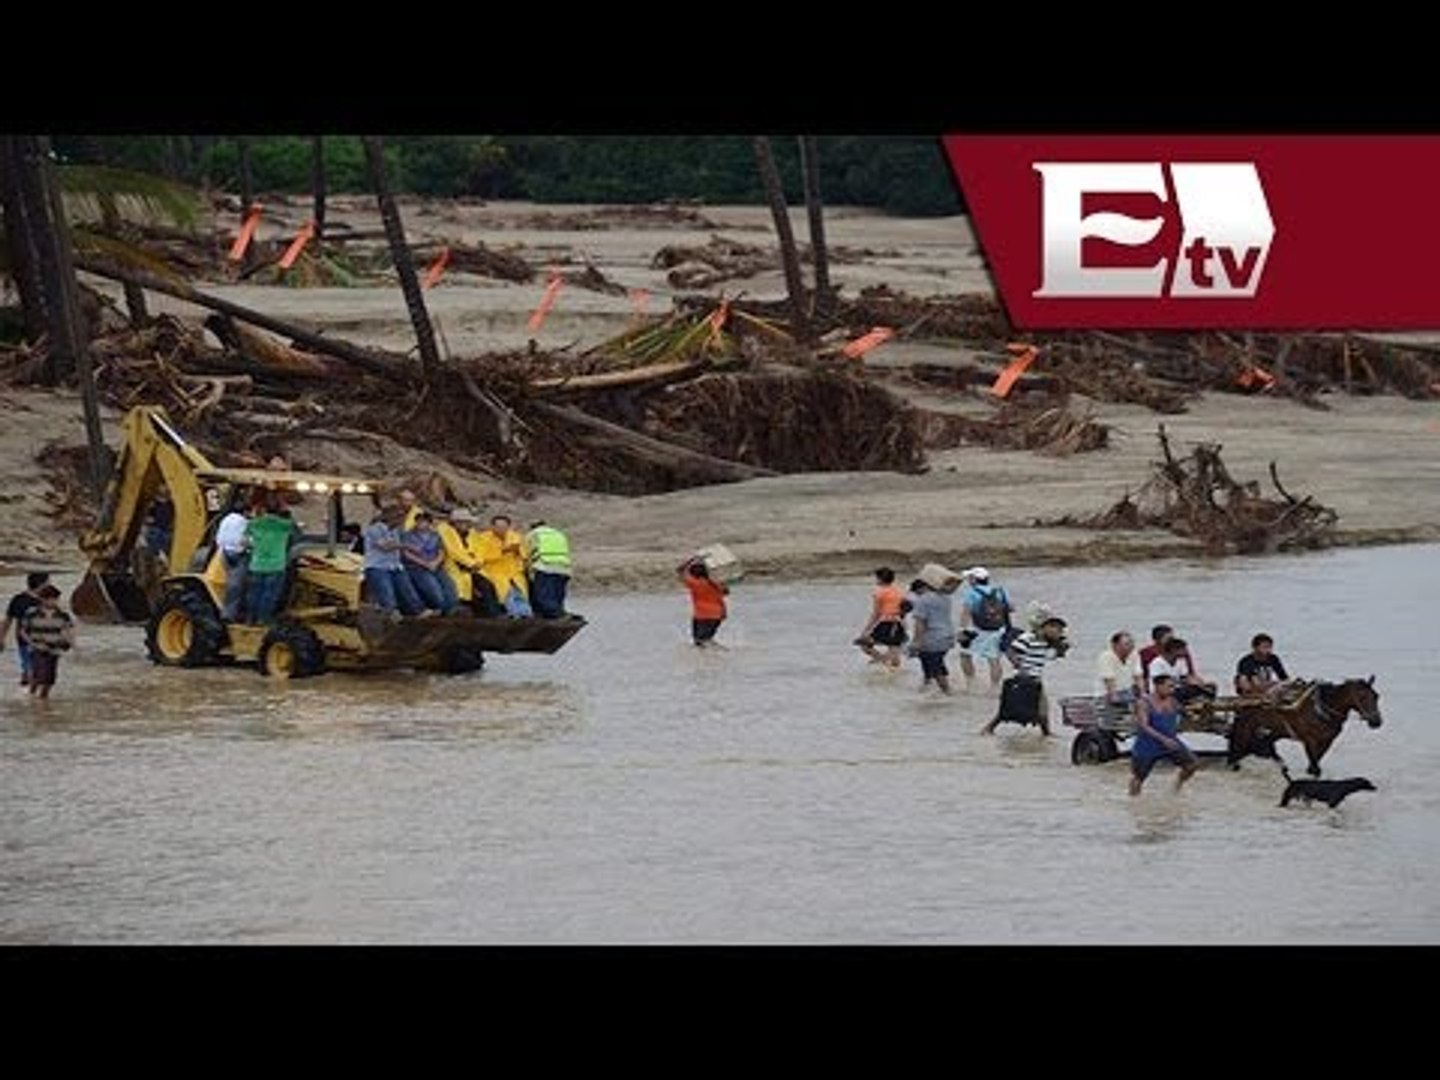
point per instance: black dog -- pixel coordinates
(1331, 792)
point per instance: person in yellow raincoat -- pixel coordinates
(454, 529)
(500, 551)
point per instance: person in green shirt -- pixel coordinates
(269, 535)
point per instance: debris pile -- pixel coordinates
(1053, 427)
(1196, 497)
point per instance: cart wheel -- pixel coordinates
(1093, 747)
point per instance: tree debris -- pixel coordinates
(1197, 497)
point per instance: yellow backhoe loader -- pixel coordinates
(325, 618)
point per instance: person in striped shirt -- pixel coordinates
(1029, 653)
(49, 632)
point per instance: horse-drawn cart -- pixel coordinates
(1103, 725)
(1309, 712)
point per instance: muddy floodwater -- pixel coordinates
(635, 789)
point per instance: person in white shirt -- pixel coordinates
(1174, 660)
(235, 554)
(1117, 670)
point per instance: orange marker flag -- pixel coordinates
(1011, 375)
(639, 298)
(247, 233)
(297, 245)
(547, 301)
(717, 321)
(861, 345)
(437, 268)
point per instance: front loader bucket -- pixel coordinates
(413, 640)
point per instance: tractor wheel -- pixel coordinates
(462, 660)
(185, 631)
(290, 651)
(1093, 747)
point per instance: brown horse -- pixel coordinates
(1315, 721)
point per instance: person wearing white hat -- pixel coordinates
(454, 528)
(1022, 697)
(984, 620)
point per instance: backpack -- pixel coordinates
(992, 610)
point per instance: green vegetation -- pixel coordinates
(900, 174)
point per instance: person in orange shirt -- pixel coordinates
(886, 625)
(707, 600)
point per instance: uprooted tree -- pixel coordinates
(1196, 497)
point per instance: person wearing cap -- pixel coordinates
(1029, 653)
(547, 557)
(453, 528)
(984, 618)
(48, 631)
(933, 626)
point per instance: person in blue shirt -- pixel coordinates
(424, 561)
(1158, 716)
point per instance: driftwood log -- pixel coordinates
(608, 436)
(386, 365)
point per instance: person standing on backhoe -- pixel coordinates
(235, 555)
(547, 551)
(269, 538)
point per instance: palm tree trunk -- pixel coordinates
(186, 146)
(319, 186)
(789, 256)
(169, 159)
(68, 347)
(121, 230)
(59, 356)
(134, 294)
(815, 208)
(247, 177)
(400, 256)
(20, 242)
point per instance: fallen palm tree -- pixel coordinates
(1196, 497)
(1052, 427)
(721, 259)
(501, 264)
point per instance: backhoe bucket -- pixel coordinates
(109, 598)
